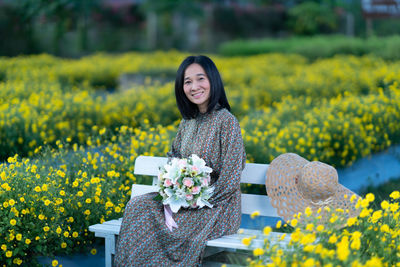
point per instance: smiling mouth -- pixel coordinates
(197, 95)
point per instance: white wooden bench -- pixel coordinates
(252, 174)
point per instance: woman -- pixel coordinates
(210, 131)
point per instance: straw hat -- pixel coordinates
(294, 183)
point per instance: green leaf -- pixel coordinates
(158, 198)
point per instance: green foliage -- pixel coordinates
(317, 46)
(310, 18)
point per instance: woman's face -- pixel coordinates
(197, 86)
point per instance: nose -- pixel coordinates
(195, 86)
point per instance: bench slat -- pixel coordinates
(253, 173)
(141, 189)
(261, 203)
(229, 241)
(104, 229)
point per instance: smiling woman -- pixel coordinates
(210, 131)
(202, 86)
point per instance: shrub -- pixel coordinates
(48, 202)
(371, 239)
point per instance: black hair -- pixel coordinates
(188, 109)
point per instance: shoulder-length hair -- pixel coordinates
(188, 109)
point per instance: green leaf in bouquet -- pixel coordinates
(158, 198)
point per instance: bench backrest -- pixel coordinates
(253, 173)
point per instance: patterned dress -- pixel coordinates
(145, 240)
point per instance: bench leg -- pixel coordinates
(110, 250)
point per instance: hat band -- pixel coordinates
(325, 202)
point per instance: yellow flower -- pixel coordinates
(309, 227)
(13, 222)
(54, 263)
(309, 263)
(278, 224)
(18, 237)
(395, 195)
(75, 234)
(342, 249)
(255, 214)
(87, 212)
(41, 217)
(62, 193)
(370, 197)
(355, 244)
(3, 176)
(38, 189)
(376, 216)
(93, 251)
(46, 228)
(320, 228)
(246, 241)
(385, 228)
(307, 239)
(332, 239)
(385, 204)
(364, 213)
(58, 230)
(44, 187)
(63, 245)
(258, 252)
(88, 200)
(267, 230)
(9, 254)
(17, 261)
(365, 203)
(309, 248)
(394, 207)
(4, 247)
(66, 234)
(293, 222)
(373, 262)
(308, 211)
(11, 202)
(355, 263)
(61, 173)
(351, 221)
(282, 237)
(27, 241)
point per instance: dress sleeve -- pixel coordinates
(174, 151)
(233, 158)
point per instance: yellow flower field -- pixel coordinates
(372, 239)
(337, 109)
(69, 146)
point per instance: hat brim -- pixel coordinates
(286, 198)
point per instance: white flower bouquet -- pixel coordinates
(185, 183)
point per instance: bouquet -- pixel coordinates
(185, 183)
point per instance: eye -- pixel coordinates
(187, 82)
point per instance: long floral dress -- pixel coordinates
(145, 240)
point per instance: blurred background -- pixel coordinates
(73, 28)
